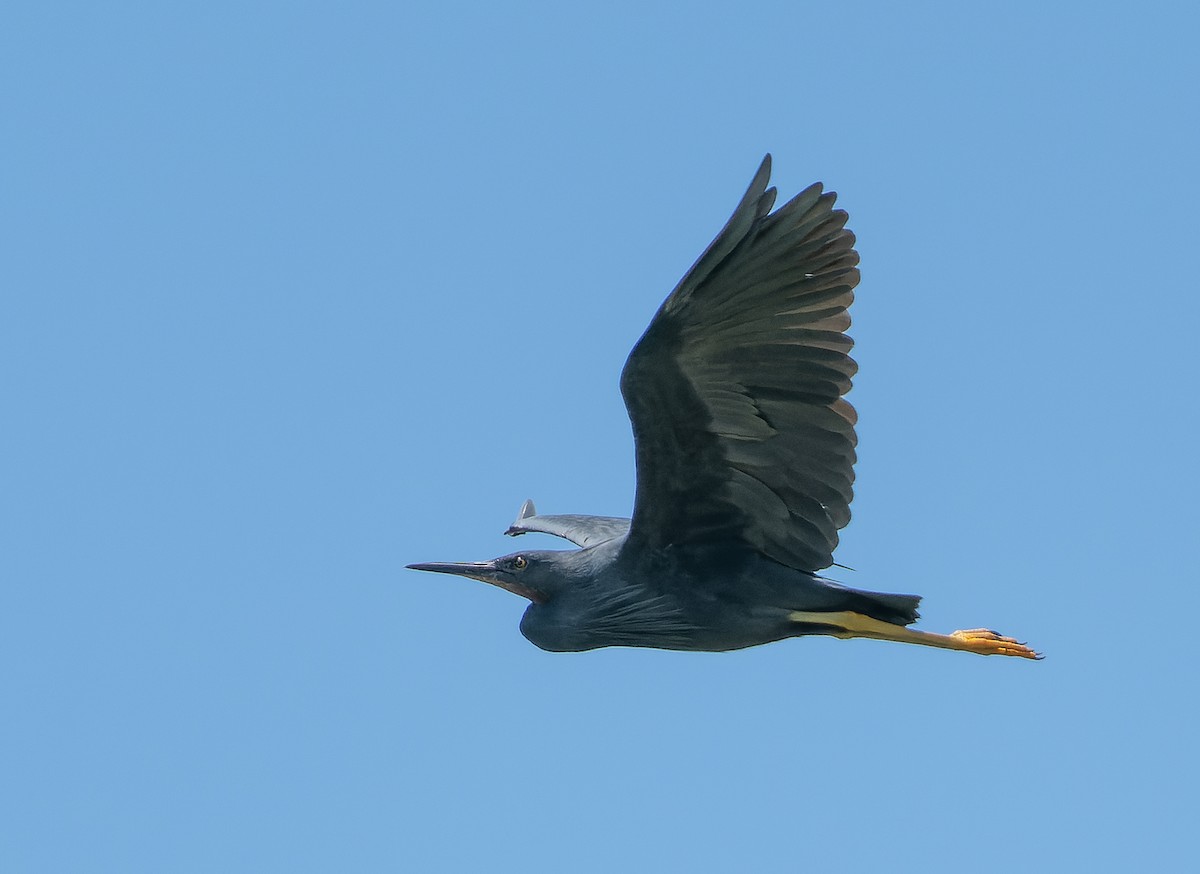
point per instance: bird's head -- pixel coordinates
(532, 575)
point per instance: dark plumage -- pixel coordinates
(745, 462)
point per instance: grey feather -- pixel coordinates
(583, 531)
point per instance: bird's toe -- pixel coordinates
(987, 642)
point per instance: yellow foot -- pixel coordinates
(983, 641)
(987, 642)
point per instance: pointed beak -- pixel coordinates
(485, 572)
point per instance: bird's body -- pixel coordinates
(745, 463)
(708, 597)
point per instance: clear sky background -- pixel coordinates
(293, 294)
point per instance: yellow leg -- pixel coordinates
(977, 640)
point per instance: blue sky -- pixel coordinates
(293, 294)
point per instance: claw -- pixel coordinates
(984, 641)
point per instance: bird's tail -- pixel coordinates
(886, 607)
(883, 606)
(897, 609)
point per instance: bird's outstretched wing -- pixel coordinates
(735, 390)
(583, 531)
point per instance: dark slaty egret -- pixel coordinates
(745, 451)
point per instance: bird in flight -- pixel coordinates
(745, 451)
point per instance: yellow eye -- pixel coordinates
(520, 562)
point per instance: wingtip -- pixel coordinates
(763, 176)
(527, 510)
